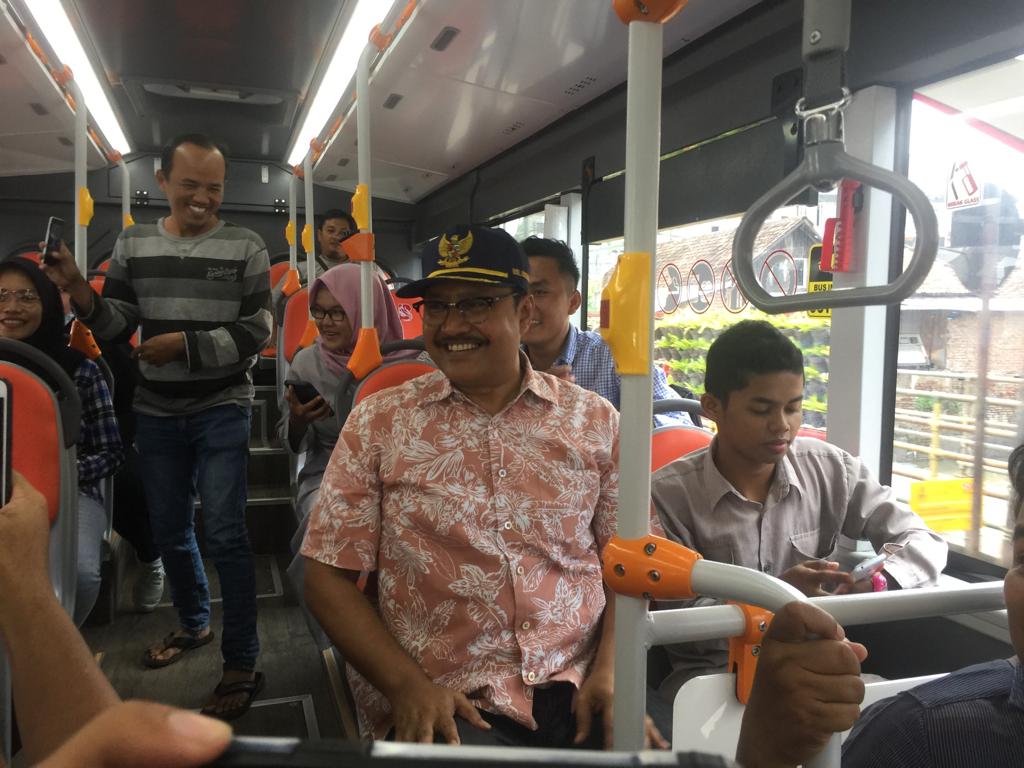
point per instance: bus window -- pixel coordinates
(531, 225)
(959, 386)
(696, 296)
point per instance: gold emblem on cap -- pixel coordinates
(453, 250)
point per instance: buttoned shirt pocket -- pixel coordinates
(565, 532)
(808, 545)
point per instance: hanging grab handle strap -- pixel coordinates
(825, 164)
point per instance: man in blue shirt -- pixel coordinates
(556, 346)
(972, 717)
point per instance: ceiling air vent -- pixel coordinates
(578, 86)
(38, 108)
(514, 127)
(205, 93)
(444, 38)
(332, 177)
(344, 161)
(65, 141)
(392, 101)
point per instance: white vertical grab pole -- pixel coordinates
(293, 219)
(307, 168)
(81, 175)
(364, 158)
(643, 139)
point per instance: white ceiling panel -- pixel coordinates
(36, 123)
(390, 181)
(514, 67)
(564, 51)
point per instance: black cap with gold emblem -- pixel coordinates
(472, 255)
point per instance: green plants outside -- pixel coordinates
(682, 346)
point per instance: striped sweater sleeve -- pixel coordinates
(115, 315)
(233, 342)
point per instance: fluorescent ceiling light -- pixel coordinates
(338, 75)
(56, 27)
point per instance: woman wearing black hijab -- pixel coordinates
(31, 311)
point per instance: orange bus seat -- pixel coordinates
(816, 432)
(671, 443)
(412, 323)
(35, 433)
(46, 421)
(390, 375)
(277, 272)
(296, 313)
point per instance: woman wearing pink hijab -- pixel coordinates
(312, 428)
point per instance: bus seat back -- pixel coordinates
(390, 375)
(46, 421)
(412, 323)
(706, 715)
(296, 314)
(674, 442)
(816, 432)
(36, 440)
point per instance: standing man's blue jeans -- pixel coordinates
(208, 450)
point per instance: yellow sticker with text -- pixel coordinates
(818, 287)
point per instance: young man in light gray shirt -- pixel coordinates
(763, 498)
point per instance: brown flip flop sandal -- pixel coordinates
(251, 688)
(185, 642)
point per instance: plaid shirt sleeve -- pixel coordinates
(662, 391)
(594, 369)
(100, 450)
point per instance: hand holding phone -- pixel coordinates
(54, 236)
(304, 391)
(868, 568)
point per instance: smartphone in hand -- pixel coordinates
(304, 391)
(54, 236)
(868, 568)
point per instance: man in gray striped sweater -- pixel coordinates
(200, 290)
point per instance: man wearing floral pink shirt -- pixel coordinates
(480, 496)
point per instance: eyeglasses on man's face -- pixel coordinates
(337, 314)
(474, 310)
(25, 296)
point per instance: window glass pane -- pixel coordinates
(696, 296)
(961, 354)
(526, 226)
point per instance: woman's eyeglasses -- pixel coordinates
(22, 296)
(337, 314)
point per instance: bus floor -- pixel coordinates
(297, 699)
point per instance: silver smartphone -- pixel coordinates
(868, 568)
(54, 235)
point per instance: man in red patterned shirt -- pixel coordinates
(480, 496)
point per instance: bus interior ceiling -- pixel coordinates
(498, 121)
